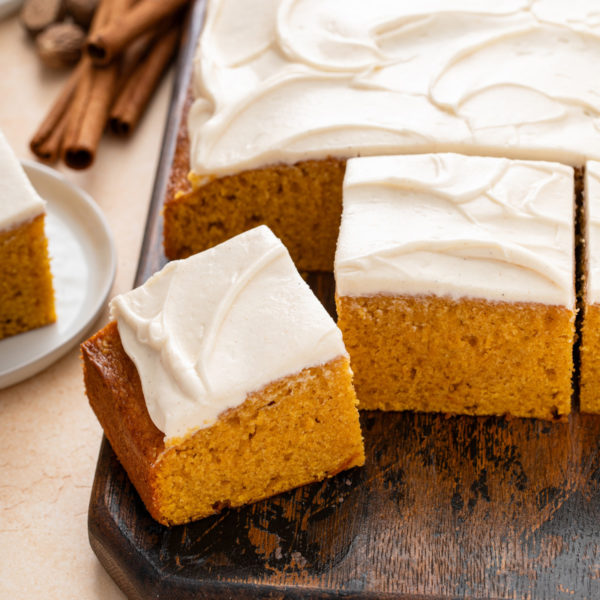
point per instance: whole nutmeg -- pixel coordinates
(36, 15)
(81, 10)
(60, 45)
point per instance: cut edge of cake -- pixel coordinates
(26, 290)
(194, 382)
(588, 354)
(442, 350)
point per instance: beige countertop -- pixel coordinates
(49, 437)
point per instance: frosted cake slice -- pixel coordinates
(223, 381)
(455, 284)
(26, 294)
(589, 393)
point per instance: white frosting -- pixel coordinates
(19, 202)
(592, 192)
(287, 80)
(457, 226)
(206, 331)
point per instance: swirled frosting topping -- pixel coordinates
(206, 331)
(458, 226)
(19, 202)
(592, 191)
(287, 80)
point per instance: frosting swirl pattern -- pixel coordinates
(288, 80)
(206, 331)
(457, 226)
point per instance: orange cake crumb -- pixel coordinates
(26, 294)
(589, 386)
(296, 430)
(301, 203)
(468, 356)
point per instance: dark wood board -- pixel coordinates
(459, 507)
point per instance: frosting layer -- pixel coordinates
(592, 191)
(460, 226)
(19, 202)
(206, 331)
(286, 80)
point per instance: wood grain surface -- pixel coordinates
(458, 507)
(455, 507)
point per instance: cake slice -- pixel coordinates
(223, 381)
(26, 294)
(455, 284)
(589, 390)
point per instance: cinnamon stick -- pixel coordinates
(102, 16)
(49, 149)
(76, 116)
(135, 53)
(102, 46)
(92, 101)
(135, 95)
(46, 141)
(90, 114)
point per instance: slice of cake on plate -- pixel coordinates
(589, 393)
(455, 284)
(26, 293)
(223, 381)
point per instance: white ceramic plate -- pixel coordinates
(7, 7)
(83, 263)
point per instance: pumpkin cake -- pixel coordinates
(26, 293)
(455, 284)
(286, 92)
(589, 390)
(223, 381)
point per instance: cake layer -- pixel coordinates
(207, 331)
(464, 356)
(457, 226)
(26, 293)
(589, 371)
(589, 388)
(287, 81)
(302, 204)
(19, 202)
(295, 430)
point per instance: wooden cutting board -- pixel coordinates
(457, 507)
(444, 508)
